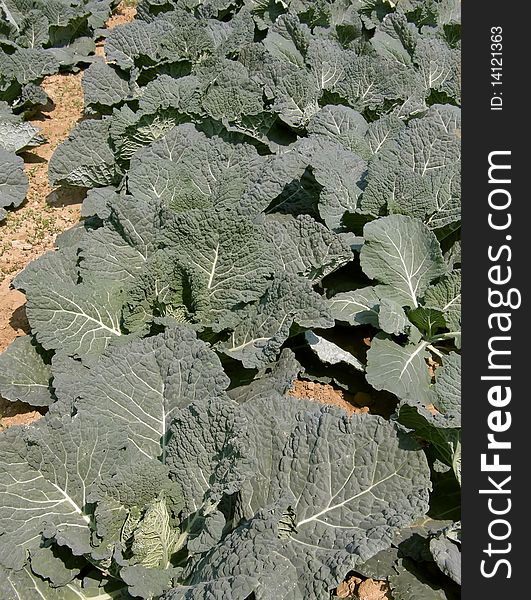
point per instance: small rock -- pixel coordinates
(20, 245)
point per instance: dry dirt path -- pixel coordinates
(31, 230)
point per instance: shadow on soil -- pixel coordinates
(66, 196)
(30, 158)
(42, 113)
(19, 320)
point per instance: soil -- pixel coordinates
(376, 402)
(374, 590)
(30, 231)
(123, 14)
(17, 413)
(325, 393)
(364, 589)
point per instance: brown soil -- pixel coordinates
(374, 402)
(359, 403)
(374, 590)
(367, 589)
(124, 14)
(432, 367)
(17, 413)
(348, 588)
(31, 230)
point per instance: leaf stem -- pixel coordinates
(435, 351)
(444, 336)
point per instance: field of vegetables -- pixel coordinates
(247, 351)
